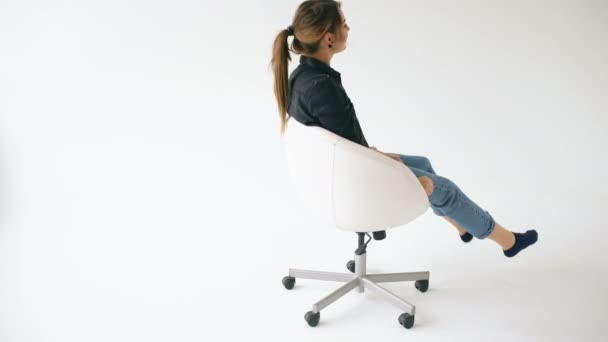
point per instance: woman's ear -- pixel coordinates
(329, 39)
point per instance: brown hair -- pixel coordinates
(312, 20)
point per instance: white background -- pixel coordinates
(144, 193)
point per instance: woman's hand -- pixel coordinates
(391, 155)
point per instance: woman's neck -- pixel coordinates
(324, 56)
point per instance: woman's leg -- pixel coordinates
(447, 198)
(423, 163)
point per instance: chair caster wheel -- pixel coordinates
(350, 265)
(312, 318)
(406, 320)
(422, 285)
(288, 282)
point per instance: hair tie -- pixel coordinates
(290, 30)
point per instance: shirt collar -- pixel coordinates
(308, 60)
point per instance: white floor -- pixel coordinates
(93, 279)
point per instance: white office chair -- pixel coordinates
(355, 189)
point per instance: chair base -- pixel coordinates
(360, 280)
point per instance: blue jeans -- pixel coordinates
(448, 200)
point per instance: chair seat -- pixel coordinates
(347, 185)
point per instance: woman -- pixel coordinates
(313, 95)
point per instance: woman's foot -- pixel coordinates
(522, 240)
(466, 237)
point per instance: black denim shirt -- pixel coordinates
(317, 98)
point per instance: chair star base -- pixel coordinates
(360, 280)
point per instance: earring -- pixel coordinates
(330, 46)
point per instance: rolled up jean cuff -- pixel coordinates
(490, 230)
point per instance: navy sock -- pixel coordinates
(522, 240)
(466, 237)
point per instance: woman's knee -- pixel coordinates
(430, 167)
(426, 164)
(427, 184)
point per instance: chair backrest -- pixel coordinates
(348, 185)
